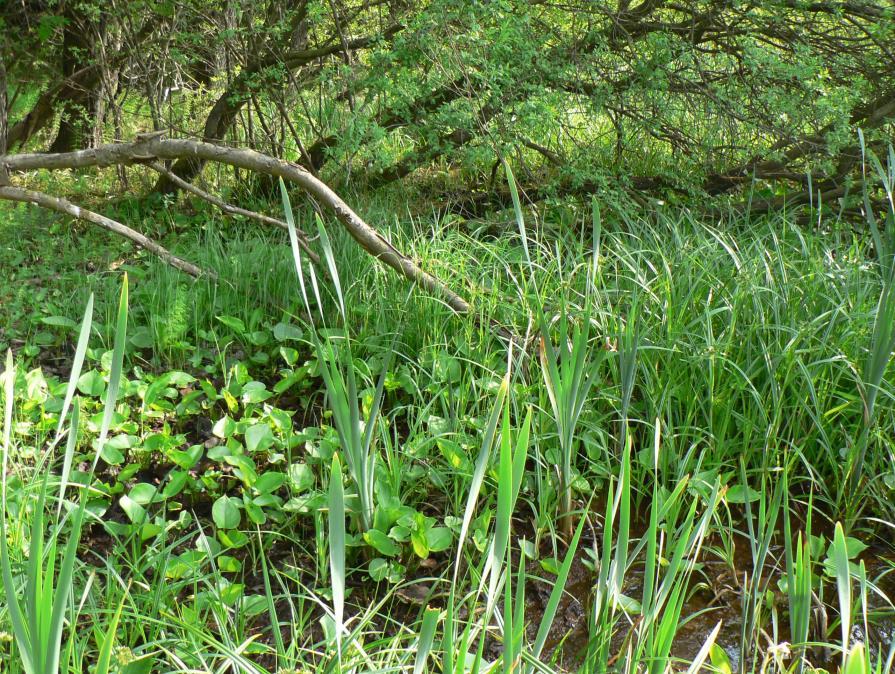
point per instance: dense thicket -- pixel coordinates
(688, 96)
(613, 434)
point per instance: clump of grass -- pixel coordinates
(882, 341)
(568, 377)
(38, 612)
(337, 369)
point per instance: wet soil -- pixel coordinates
(715, 593)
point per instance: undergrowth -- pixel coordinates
(702, 447)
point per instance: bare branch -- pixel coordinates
(67, 207)
(151, 149)
(232, 210)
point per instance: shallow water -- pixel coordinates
(714, 595)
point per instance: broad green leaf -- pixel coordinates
(287, 331)
(142, 493)
(740, 494)
(92, 384)
(60, 321)
(134, 511)
(720, 660)
(225, 513)
(234, 324)
(255, 392)
(269, 482)
(176, 482)
(224, 427)
(420, 543)
(378, 569)
(259, 437)
(301, 477)
(381, 543)
(438, 538)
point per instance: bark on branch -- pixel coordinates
(152, 149)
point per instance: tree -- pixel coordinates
(691, 97)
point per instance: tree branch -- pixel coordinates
(64, 206)
(151, 149)
(233, 210)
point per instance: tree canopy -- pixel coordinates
(684, 97)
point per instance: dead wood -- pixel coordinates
(153, 149)
(64, 206)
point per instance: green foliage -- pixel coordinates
(730, 378)
(37, 613)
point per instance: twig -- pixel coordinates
(232, 210)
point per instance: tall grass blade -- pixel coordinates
(478, 474)
(104, 659)
(882, 342)
(21, 630)
(37, 618)
(568, 378)
(115, 371)
(331, 264)
(450, 641)
(337, 548)
(77, 365)
(857, 661)
(425, 639)
(699, 660)
(559, 587)
(293, 242)
(517, 209)
(843, 586)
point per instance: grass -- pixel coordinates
(699, 411)
(37, 618)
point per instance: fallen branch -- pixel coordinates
(232, 210)
(151, 149)
(64, 206)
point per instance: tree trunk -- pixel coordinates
(79, 104)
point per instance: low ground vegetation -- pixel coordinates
(287, 472)
(565, 346)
